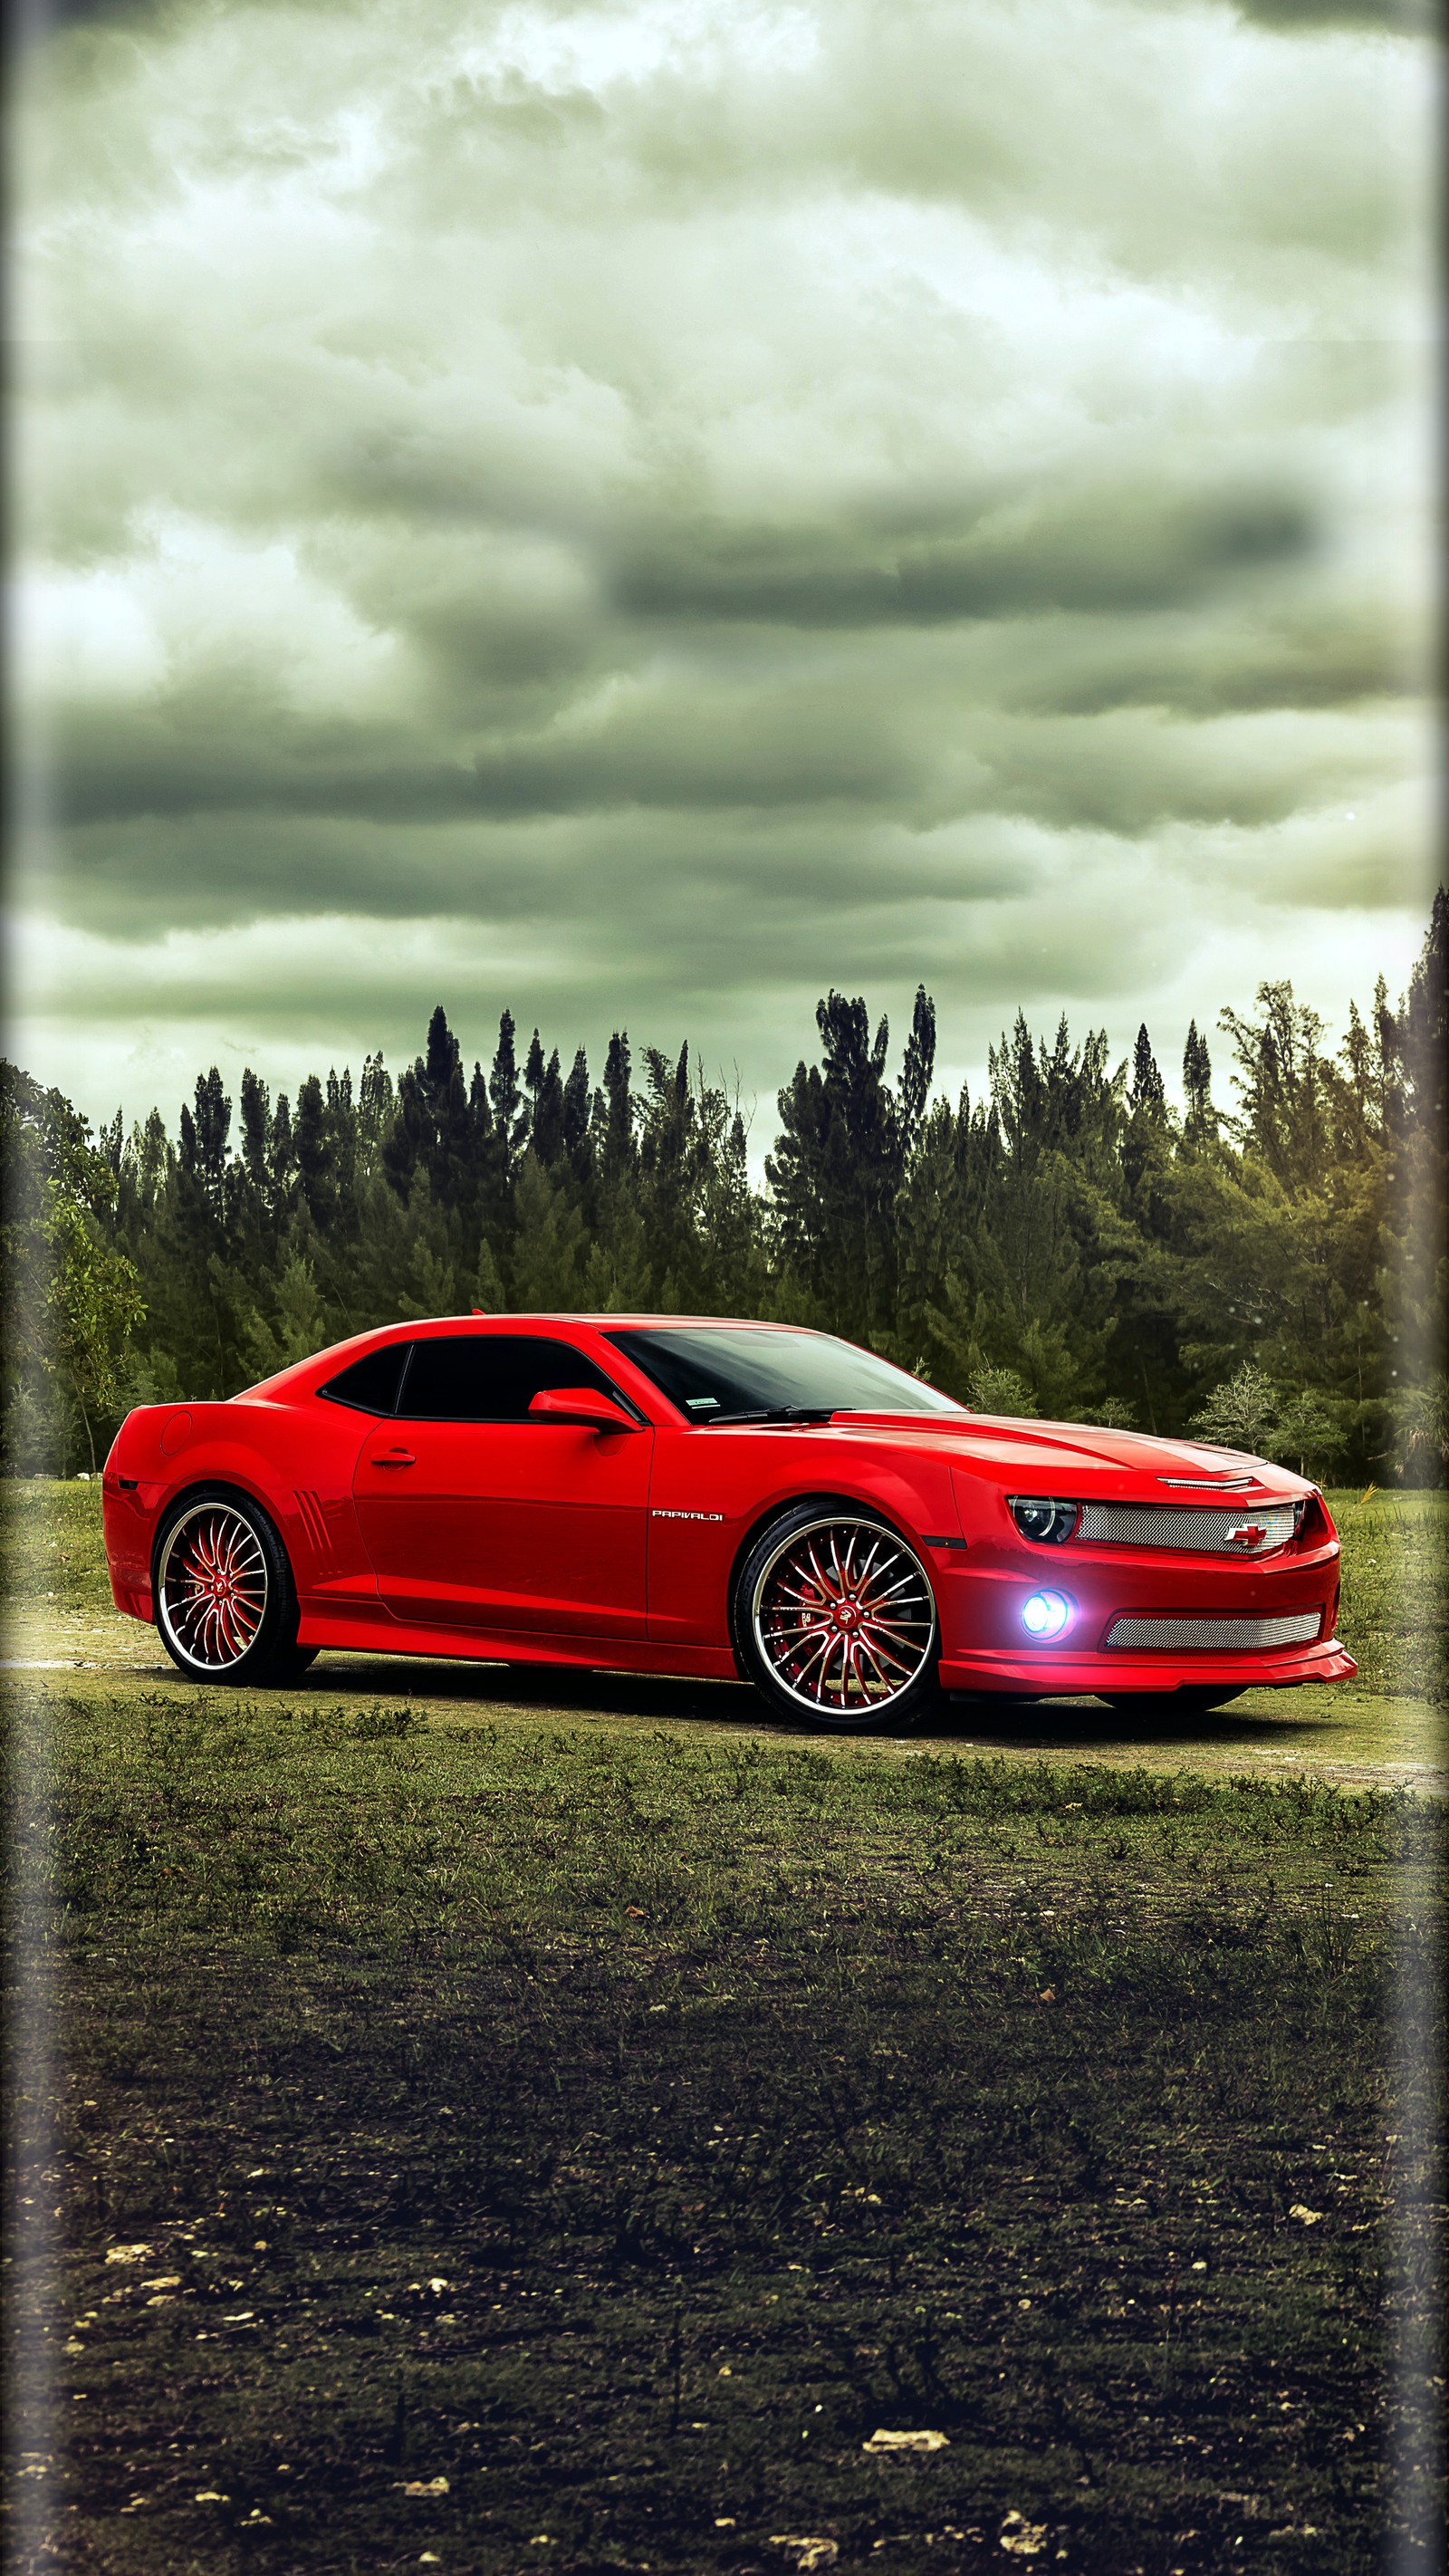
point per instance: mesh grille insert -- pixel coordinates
(1203, 1526)
(1243, 1636)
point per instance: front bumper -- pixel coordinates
(983, 1589)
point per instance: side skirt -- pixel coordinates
(381, 1635)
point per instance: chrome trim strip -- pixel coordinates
(1211, 1484)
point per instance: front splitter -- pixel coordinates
(1050, 1676)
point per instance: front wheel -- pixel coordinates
(226, 1604)
(835, 1620)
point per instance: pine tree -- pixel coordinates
(256, 1136)
(619, 1147)
(548, 1111)
(205, 1141)
(839, 1164)
(1146, 1112)
(376, 1105)
(577, 1105)
(506, 1092)
(1147, 1096)
(550, 1253)
(283, 1153)
(914, 1089)
(315, 1157)
(533, 1071)
(1197, 1084)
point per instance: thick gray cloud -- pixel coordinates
(1397, 17)
(643, 511)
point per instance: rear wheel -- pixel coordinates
(226, 1605)
(835, 1621)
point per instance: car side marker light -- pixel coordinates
(1045, 1614)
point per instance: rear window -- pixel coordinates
(490, 1377)
(371, 1384)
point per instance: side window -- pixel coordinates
(489, 1377)
(371, 1384)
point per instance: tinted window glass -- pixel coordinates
(370, 1384)
(489, 1377)
(712, 1371)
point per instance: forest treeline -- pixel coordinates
(1266, 1264)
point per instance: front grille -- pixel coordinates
(1196, 1525)
(1210, 1636)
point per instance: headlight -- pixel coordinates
(1046, 1521)
(1045, 1614)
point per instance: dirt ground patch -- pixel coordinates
(503, 2121)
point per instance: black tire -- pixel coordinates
(1200, 1696)
(225, 1602)
(852, 1676)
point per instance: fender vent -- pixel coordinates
(314, 1522)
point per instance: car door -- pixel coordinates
(477, 1517)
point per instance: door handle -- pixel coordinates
(396, 1458)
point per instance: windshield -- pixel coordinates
(717, 1372)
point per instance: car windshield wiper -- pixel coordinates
(775, 1413)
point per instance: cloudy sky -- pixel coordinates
(643, 511)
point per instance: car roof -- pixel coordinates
(605, 1323)
(305, 1374)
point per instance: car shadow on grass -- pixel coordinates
(1072, 1726)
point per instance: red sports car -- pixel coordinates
(694, 1496)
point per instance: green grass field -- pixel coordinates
(501, 2144)
(1391, 1616)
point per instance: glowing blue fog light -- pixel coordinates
(1045, 1614)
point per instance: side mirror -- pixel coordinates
(586, 1405)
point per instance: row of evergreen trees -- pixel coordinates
(1068, 1244)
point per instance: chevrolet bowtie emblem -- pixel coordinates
(1247, 1534)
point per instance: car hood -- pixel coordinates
(1076, 1458)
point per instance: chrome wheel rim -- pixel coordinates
(844, 1617)
(213, 1586)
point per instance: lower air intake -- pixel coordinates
(1216, 1636)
